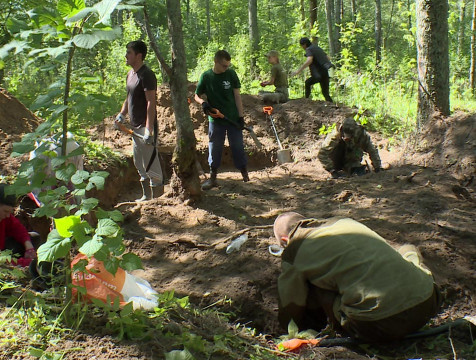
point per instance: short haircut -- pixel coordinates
(139, 47)
(305, 41)
(222, 55)
(285, 222)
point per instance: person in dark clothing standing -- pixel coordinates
(319, 65)
(219, 88)
(140, 104)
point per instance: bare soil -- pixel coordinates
(426, 197)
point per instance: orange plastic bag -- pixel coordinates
(102, 285)
(98, 282)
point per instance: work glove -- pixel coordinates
(241, 122)
(206, 107)
(147, 138)
(120, 119)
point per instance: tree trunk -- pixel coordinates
(432, 59)
(472, 70)
(165, 69)
(378, 32)
(312, 13)
(330, 26)
(354, 10)
(186, 179)
(337, 22)
(302, 10)
(462, 12)
(253, 31)
(207, 9)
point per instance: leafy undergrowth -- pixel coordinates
(34, 325)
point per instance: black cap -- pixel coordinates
(9, 200)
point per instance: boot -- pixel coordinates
(145, 191)
(244, 173)
(212, 182)
(156, 191)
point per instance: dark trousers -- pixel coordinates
(19, 249)
(392, 328)
(216, 142)
(14, 246)
(323, 81)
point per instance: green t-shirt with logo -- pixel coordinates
(219, 91)
(280, 76)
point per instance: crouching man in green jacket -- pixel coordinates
(343, 149)
(342, 273)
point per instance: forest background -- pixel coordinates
(373, 45)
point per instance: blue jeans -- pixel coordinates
(216, 141)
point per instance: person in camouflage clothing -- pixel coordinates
(343, 149)
(339, 272)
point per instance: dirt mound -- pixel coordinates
(15, 121)
(448, 144)
(297, 123)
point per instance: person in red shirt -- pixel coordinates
(13, 235)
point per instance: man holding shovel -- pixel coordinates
(140, 104)
(219, 88)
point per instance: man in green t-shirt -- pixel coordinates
(219, 88)
(342, 271)
(279, 79)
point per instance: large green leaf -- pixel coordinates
(63, 225)
(21, 148)
(96, 181)
(107, 227)
(79, 177)
(55, 247)
(87, 205)
(105, 9)
(115, 215)
(16, 45)
(16, 26)
(89, 40)
(66, 173)
(111, 265)
(91, 247)
(131, 262)
(55, 52)
(68, 8)
(80, 15)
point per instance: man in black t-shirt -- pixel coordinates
(319, 64)
(140, 104)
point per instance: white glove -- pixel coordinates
(147, 138)
(120, 118)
